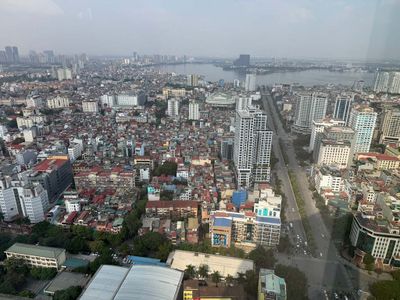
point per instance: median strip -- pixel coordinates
(304, 219)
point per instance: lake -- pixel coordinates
(306, 78)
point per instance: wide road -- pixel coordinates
(324, 272)
(291, 210)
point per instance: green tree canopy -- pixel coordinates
(71, 293)
(190, 272)
(296, 281)
(216, 277)
(203, 271)
(262, 258)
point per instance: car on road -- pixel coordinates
(320, 254)
(291, 225)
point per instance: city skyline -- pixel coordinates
(293, 29)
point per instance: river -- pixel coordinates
(306, 78)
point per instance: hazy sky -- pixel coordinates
(223, 28)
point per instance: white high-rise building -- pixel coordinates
(252, 147)
(243, 102)
(34, 202)
(319, 126)
(192, 80)
(75, 150)
(24, 200)
(90, 106)
(362, 121)
(342, 107)
(381, 82)
(194, 111)
(8, 202)
(173, 107)
(250, 83)
(108, 100)
(3, 131)
(309, 107)
(57, 102)
(390, 127)
(236, 83)
(129, 99)
(64, 74)
(394, 87)
(387, 82)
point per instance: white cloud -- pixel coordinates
(299, 14)
(34, 7)
(86, 14)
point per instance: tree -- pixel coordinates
(229, 280)
(203, 271)
(70, 293)
(166, 195)
(241, 278)
(262, 258)
(369, 261)
(385, 290)
(26, 294)
(149, 244)
(296, 281)
(12, 124)
(396, 275)
(43, 273)
(97, 246)
(251, 283)
(190, 272)
(284, 244)
(163, 250)
(216, 277)
(167, 168)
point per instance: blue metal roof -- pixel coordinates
(268, 220)
(222, 222)
(237, 215)
(145, 261)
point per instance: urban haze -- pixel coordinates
(189, 150)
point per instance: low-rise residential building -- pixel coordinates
(172, 208)
(270, 286)
(380, 161)
(37, 256)
(203, 290)
(376, 230)
(245, 228)
(328, 178)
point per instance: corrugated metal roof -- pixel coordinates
(140, 282)
(105, 283)
(150, 283)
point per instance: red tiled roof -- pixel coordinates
(172, 204)
(49, 164)
(71, 217)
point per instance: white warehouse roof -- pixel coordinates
(139, 282)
